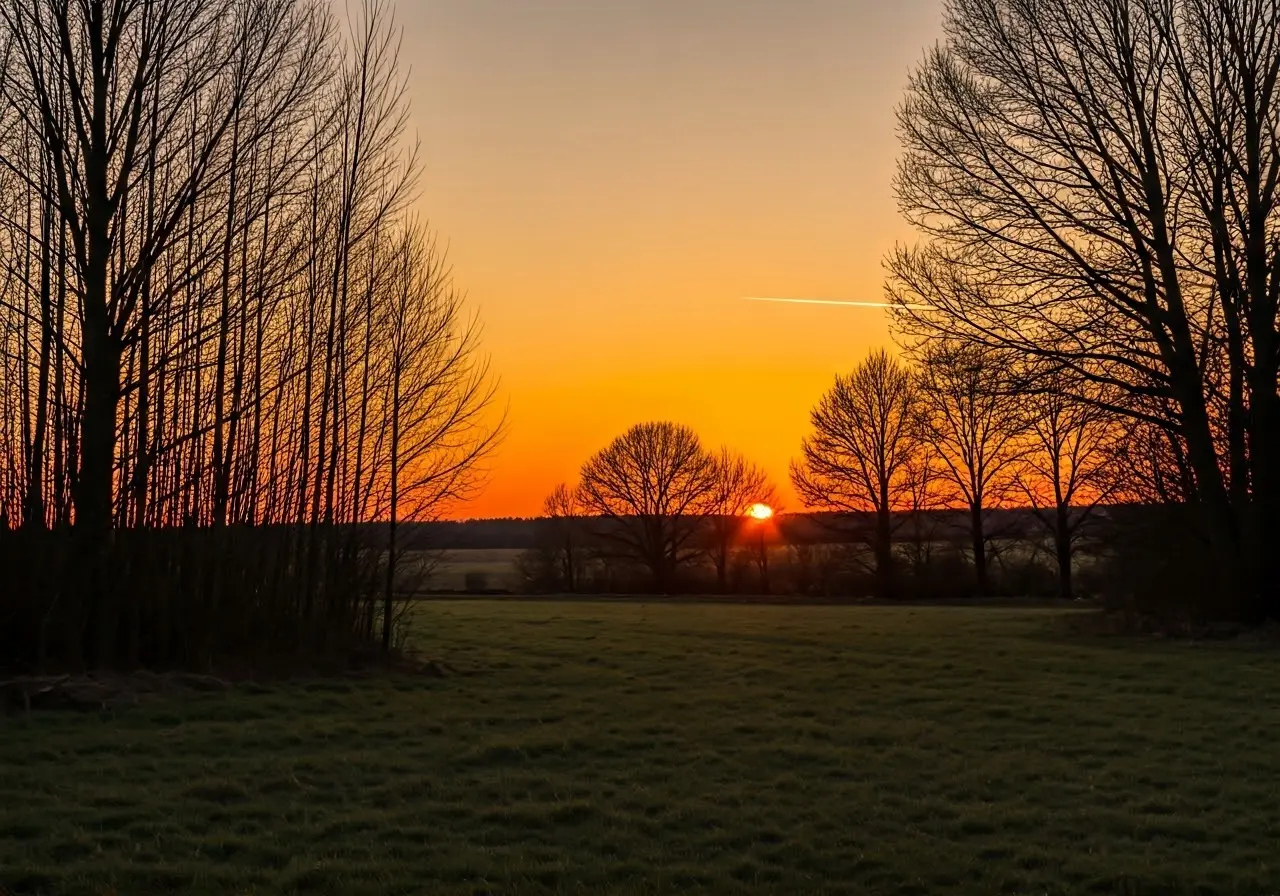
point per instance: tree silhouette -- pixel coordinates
(216, 314)
(972, 416)
(739, 484)
(1066, 468)
(655, 485)
(866, 432)
(1098, 183)
(563, 509)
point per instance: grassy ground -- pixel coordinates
(638, 748)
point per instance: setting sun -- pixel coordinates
(760, 512)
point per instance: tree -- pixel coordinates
(925, 495)
(1065, 471)
(138, 108)
(739, 484)
(972, 416)
(216, 316)
(655, 485)
(432, 390)
(1098, 186)
(563, 511)
(858, 459)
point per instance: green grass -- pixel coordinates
(630, 748)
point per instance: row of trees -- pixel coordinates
(1094, 311)
(1098, 187)
(965, 428)
(216, 312)
(897, 450)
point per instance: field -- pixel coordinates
(642, 748)
(488, 568)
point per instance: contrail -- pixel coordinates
(835, 302)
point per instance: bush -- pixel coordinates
(475, 582)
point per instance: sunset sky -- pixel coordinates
(613, 177)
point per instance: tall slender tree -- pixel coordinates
(972, 416)
(216, 313)
(857, 460)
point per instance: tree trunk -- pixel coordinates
(979, 541)
(1062, 544)
(884, 552)
(389, 597)
(94, 488)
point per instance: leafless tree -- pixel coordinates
(655, 485)
(926, 493)
(858, 458)
(1066, 469)
(739, 485)
(139, 107)
(216, 314)
(432, 390)
(1097, 181)
(972, 416)
(563, 510)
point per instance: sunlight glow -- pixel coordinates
(760, 511)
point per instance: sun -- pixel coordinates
(760, 511)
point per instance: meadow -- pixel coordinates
(461, 569)
(628, 747)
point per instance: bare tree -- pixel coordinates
(858, 458)
(435, 395)
(1098, 184)
(655, 484)
(739, 485)
(1066, 469)
(216, 314)
(972, 416)
(564, 513)
(926, 493)
(138, 109)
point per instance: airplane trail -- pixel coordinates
(844, 302)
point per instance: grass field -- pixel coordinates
(448, 570)
(631, 748)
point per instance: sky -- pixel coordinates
(612, 177)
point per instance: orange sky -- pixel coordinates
(613, 177)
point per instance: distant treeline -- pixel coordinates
(520, 533)
(1120, 550)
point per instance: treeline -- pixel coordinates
(1097, 184)
(827, 559)
(519, 533)
(958, 471)
(225, 338)
(957, 426)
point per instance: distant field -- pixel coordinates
(448, 570)
(649, 748)
(494, 569)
